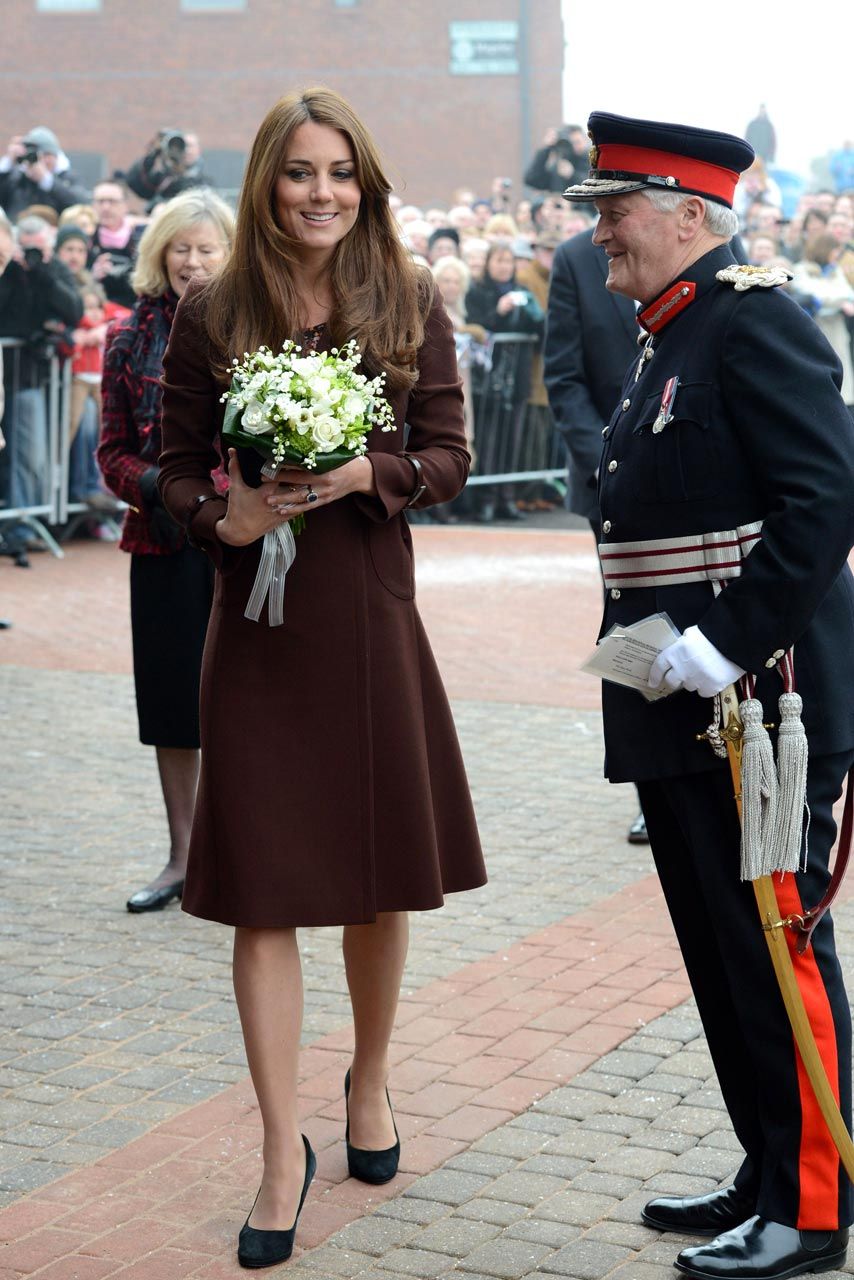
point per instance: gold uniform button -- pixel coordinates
(606, 526)
(615, 593)
(612, 466)
(771, 662)
(627, 404)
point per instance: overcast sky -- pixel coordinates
(679, 61)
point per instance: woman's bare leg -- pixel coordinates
(374, 957)
(268, 987)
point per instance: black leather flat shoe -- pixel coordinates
(265, 1248)
(707, 1215)
(371, 1166)
(762, 1250)
(155, 899)
(637, 831)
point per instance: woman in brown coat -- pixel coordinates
(332, 788)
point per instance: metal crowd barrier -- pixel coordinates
(35, 466)
(514, 442)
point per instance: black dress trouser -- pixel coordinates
(791, 1163)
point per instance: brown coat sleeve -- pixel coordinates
(192, 417)
(433, 411)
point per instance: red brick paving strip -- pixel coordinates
(472, 1051)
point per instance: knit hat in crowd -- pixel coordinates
(444, 233)
(70, 232)
(43, 139)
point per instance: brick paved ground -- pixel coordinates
(549, 1069)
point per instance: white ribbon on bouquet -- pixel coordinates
(277, 555)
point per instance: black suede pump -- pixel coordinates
(265, 1248)
(371, 1166)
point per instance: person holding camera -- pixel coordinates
(172, 164)
(115, 243)
(36, 171)
(560, 161)
(39, 303)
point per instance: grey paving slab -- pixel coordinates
(569, 1204)
(129, 1004)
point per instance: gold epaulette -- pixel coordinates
(742, 277)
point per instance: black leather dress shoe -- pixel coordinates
(265, 1248)
(637, 831)
(375, 1167)
(762, 1250)
(155, 899)
(707, 1215)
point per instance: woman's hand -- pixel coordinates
(294, 492)
(505, 304)
(297, 491)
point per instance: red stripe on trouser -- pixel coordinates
(818, 1159)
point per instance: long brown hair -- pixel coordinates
(380, 296)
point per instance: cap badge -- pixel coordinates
(743, 277)
(593, 153)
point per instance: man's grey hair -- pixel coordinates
(720, 220)
(33, 225)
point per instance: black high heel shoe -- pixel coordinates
(265, 1248)
(371, 1166)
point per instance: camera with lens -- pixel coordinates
(172, 147)
(32, 258)
(30, 156)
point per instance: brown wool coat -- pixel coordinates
(332, 783)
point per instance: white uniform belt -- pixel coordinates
(659, 562)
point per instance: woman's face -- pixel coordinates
(317, 195)
(195, 254)
(501, 266)
(474, 256)
(450, 286)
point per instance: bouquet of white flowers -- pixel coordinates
(312, 411)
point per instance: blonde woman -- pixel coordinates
(171, 582)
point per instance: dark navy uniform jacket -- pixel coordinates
(760, 432)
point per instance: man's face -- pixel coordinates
(73, 253)
(41, 240)
(110, 204)
(643, 246)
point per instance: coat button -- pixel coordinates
(779, 653)
(627, 404)
(615, 593)
(771, 662)
(612, 465)
(606, 526)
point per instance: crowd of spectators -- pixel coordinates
(73, 255)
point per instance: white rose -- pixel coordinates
(255, 419)
(326, 434)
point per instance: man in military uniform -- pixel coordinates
(725, 492)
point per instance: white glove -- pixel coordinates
(693, 663)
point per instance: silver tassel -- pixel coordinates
(792, 753)
(759, 793)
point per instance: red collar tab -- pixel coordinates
(664, 169)
(667, 305)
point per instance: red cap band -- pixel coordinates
(695, 175)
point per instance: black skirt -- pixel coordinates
(170, 603)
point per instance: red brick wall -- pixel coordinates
(106, 81)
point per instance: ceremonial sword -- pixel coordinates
(773, 926)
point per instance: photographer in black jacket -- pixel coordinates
(35, 170)
(40, 304)
(172, 164)
(561, 161)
